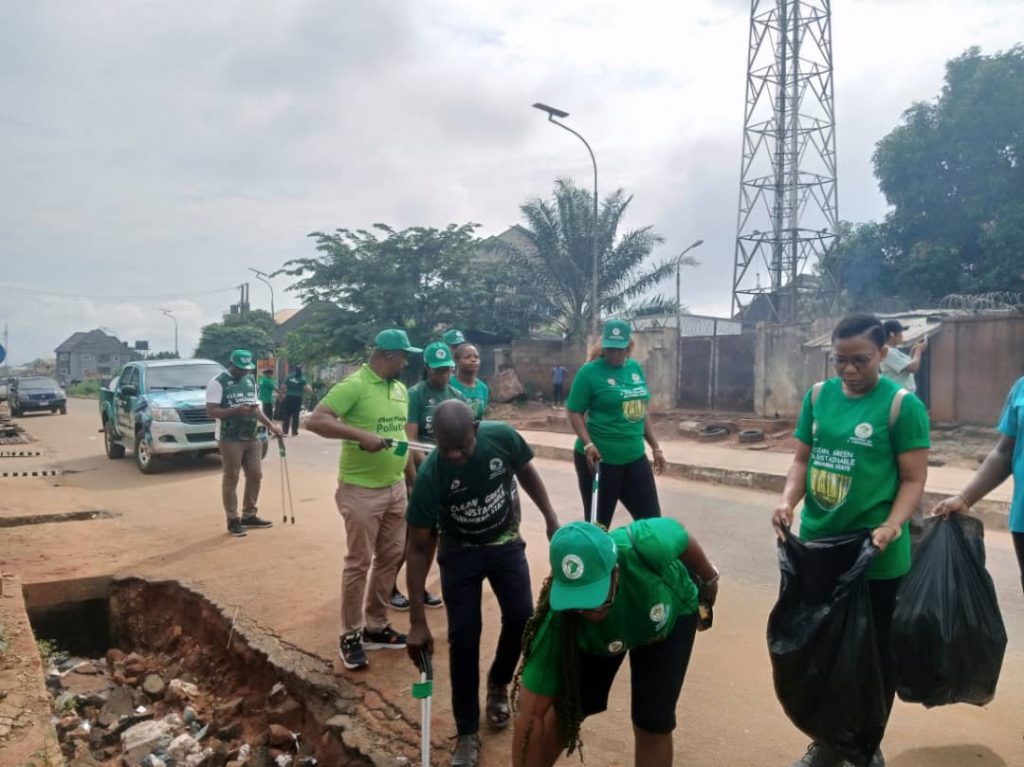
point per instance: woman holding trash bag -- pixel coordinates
(607, 408)
(609, 594)
(861, 464)
(1006, 459)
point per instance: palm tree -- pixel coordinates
(561, 262)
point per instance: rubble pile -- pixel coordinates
(138, 710)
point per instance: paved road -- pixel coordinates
(287, 579)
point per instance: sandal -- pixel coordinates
(498, 712)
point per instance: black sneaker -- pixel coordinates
(820, 755)
(434, 602)
(256, 522)
(399, 601)
(385, 639)
(350, 648)
(467, 751)
(235, 528)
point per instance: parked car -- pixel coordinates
(35, 393)
(157, 408)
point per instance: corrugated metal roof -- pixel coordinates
(921, 325)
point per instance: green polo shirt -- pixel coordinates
(476, 396)
(266, 386)
(368, 402)
(423, 401)
(653, 592)
(615, 402)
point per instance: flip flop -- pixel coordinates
(498, 712)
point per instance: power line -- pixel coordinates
(128, 297)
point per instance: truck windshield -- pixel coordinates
(184, 377)
(46, 384)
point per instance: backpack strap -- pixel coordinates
(815, 393)
(894, 408)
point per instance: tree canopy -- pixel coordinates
(952, 172)
(253, 331)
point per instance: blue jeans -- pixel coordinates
(463, 572)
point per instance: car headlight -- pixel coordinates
(164, 414)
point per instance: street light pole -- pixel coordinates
(679, 319)
(262, 277)
(170, 314)
(552, 113)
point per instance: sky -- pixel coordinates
(151, 152)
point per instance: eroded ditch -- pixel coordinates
(153, 674)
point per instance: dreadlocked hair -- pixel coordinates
(567, 703)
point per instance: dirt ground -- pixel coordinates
(286, 580)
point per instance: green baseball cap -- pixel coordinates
(438, 355)
(616, 334)
(242, 359)
(394, 340)
(453, 337)
(582, 559)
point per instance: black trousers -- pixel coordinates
(268, 410)
(559, 393)
(463, 572)
(631, 483)
(1018, 545)
(290, 414)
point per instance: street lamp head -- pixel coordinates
(552, 112)
(697, 244)
(168, 312)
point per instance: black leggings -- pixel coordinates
(631, 483)
(1018, 544)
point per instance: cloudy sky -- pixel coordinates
(151, 151)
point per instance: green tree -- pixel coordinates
(420, 279)
(953, 171)
(560, 267)
(253, 331)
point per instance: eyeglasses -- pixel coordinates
(859, 361)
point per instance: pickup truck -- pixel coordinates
(157, 409)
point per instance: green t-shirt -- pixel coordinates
(295, 386)
(368, 402)
(266, 386)
(615, 401)
(227, 392)
(477, 503)
(853, 475)
(475, 396)
(645, 609)
(423, 401)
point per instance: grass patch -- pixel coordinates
(90, 388)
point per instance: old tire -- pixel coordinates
(144, 458)
(750, 436)
(113, 449)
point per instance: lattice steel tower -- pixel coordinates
(788, 206)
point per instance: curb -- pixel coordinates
(995, 515)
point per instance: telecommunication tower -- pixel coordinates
(788, 202)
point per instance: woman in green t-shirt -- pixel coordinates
(473, 390)
(609, 594)
(607, 408)
(861, 464)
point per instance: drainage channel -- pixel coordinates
(67, 516)
(154, 674)
(29, 473)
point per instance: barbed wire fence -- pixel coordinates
(999, 301)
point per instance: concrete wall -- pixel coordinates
(784, 369)
(534, 359)
(973, 363)
(656, 351)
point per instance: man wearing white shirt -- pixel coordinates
(896, 365)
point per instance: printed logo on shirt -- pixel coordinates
(572, 567)
(497, 468)
(615, 646)
(862, 435)
(612, 382)
(636, 378)
(634, 409)
(659, 615)
(455, 484)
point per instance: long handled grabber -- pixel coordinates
(592, 519)
(402, 446)
(424, 691)
(286, 480)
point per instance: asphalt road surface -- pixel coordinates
(171, 526)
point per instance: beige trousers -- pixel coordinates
(375, 530)
(237, 457)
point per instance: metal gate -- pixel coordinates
(716, 373)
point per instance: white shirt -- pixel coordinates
(894, 367)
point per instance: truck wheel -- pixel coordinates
(63, 409)
(144, 458)
(113, 448)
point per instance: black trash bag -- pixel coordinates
(821, 638)
(948, 635)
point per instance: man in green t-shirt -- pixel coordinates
(231, 399)
(466, 503)
(628, 591)
(295, 387)
(368, 411)
(266, 391)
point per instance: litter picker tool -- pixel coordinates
(424, 691)
(402, 446)
(286, 481)
(592, 519)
